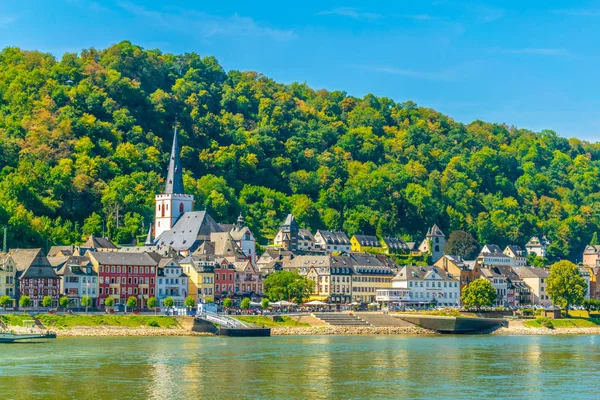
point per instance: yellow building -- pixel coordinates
(201, 272)
(8, 270)
(365, 243)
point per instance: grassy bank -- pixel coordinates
(15, 319)
(286, 322)
(70, 321)
(567, 323)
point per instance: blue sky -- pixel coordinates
(532, 64)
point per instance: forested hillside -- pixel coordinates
(87, 137)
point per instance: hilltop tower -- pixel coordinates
(171, 204)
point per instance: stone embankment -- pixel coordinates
(351, 330)
(514, 331)
(85, 331)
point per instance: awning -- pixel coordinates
(321, 298)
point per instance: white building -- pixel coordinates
(428, 286)
(332, 242)
(171, 282)
(78, 279)
(538, 246)
(491, 255)
(498, 281)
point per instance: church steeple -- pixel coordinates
(149, 241)
(175, 176)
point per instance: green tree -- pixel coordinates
(479, 293)
(245, 304)
(289, 286)
(47, 301)
(86, 301)
(565, 285)
(168, 302)
(5, 301)
(152, 302)
(594, 241)
(463, 244)
(227, 302)
(24, 301)
(264, 304)
(132, 302)
(189, 302)
(64, 301)
(209, 301)
(109, 302)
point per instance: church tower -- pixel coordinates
(171, 204)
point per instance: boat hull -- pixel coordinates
(13, 337)
(244, 332)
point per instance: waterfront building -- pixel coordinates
(171, 282)
(224, 278)
(538, 246)
(427, 286)
(456, 266)
(35, 276)
(365, 243)
(518, 255)
(332, 242)
(498, 281)
(536, 279)
(248, 280)
(122, 275)
(8, 274)
(200, 269)
(585, 274)
(332, 276)
(518, 292)
(78, 279)
(369, 274)
(434, 243)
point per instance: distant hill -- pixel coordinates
(87, 137)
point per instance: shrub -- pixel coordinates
(539, 312)
(528, 311)
(153, 323)
(545, 322)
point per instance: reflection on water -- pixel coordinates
(564, 367)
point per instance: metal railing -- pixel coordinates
(223, 320)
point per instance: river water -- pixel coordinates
(310, 367)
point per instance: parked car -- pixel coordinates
(119, 307)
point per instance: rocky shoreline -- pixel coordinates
(84, 331)
(351, 330)
(520, 331)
